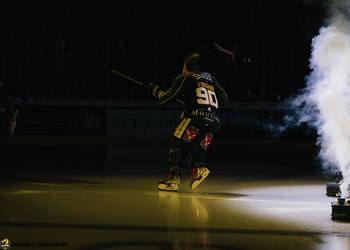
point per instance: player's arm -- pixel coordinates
(170, 94)
(221, 93)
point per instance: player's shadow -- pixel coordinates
(222, 194)
(50, 179)
(213, 195)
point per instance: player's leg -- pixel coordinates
(197, 159)
(184, 134)
(172, 182)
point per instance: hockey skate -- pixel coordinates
(169, 184)
(198, 176)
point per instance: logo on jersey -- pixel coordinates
(190, 134)
(182, 127)
(206, 76)
(206, 141)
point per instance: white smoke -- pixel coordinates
(325, 102)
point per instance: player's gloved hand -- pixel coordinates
(152, 88)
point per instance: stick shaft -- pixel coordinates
(103, 65)
(127, 77)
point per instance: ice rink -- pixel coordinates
(125, 211)
(260, 195)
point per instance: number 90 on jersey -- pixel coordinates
(206, 97)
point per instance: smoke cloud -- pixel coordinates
(324, 103)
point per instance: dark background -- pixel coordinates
(50, 60)
(48, 47)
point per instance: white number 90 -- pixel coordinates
(207, 97)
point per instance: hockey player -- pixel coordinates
(8, 111)
(202, 98)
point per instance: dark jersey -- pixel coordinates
(199, 92)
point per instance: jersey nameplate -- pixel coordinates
(205, 85)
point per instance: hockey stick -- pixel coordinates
(98, 58)
(127, 77)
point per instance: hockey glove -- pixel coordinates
(153, 89)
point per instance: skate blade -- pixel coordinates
(168, 187)
(196, 183)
